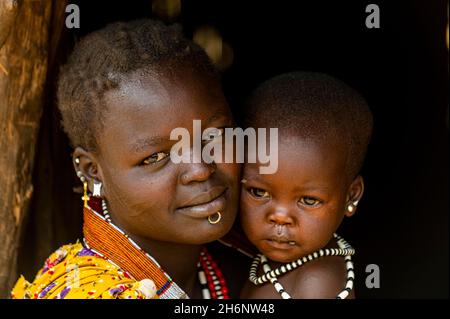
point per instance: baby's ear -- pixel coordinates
(354, 194)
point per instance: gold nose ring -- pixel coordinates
(215, 221)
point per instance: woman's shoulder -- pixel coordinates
(76, 272)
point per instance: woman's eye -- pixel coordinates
(259, 193)
(212, 133)
(309, 201)
(155, 158)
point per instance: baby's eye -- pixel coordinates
(212, 133)
(258, 192)
(155, 158)
(309, 201)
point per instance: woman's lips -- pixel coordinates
(205, 204)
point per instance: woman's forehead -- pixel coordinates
(151, 107)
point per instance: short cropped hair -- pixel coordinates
(316, 106)
(99, 60)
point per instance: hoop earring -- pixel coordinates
(219, 217)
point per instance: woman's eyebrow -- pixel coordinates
(142, 144)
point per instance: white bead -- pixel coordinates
(343, 294)
(351, 274)
(278, 286)
(202, 277)
(206, 294)
(349, 284)
(285, 295)
(147, 287)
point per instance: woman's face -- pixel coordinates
(148, 195)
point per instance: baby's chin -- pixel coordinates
(282, 256)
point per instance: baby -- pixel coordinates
(291, 216)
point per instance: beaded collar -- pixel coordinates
(110, 242)
(345, 250)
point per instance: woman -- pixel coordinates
(146, 219)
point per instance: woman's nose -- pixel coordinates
(199, 172)
(281, 216)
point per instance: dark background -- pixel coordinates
(401, 69)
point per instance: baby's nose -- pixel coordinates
(281, 217)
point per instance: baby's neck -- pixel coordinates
(331, 244)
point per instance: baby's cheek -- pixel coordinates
(248, 217)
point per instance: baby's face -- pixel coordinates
(295, 211)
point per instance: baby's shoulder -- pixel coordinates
(322, 278)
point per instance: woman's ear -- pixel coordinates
(86, 165)
(354, 194)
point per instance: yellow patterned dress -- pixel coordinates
(74, 271)
(108, 265)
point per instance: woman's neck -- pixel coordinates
(179, 261)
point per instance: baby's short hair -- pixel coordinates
(99, 60)
(314, 106)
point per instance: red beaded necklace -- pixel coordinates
(211, 278)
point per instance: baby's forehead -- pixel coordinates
(304, 156)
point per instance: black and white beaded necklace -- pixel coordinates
(345, 249)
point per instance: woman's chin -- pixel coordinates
(206, 233)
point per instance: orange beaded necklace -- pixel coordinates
(107, 240)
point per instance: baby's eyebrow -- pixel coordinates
(215, 117)
(252, 178)
(142, 144)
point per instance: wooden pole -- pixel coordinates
(27, 34)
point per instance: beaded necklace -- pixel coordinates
(110, 242)
(345, 249)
